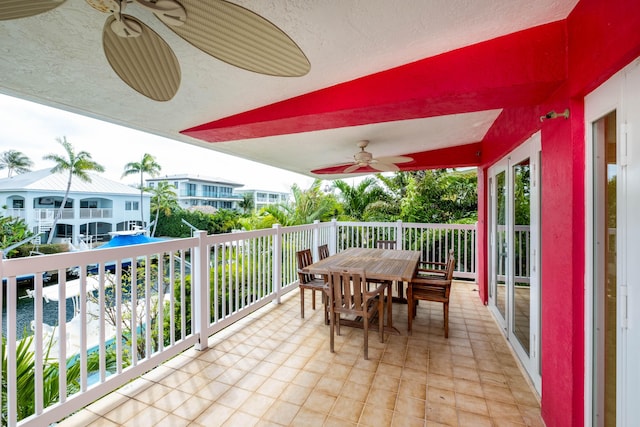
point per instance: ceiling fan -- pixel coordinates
(144, 61)
(364, 159)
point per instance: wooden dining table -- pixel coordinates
(380, 265)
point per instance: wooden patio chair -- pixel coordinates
(386, 244)
(323, 251)
(434, 268)
(435, 287)
(348, 295)
(308, 281)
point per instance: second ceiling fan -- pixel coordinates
(363, 159)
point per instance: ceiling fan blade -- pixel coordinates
(242, 38)
(15, 9)
(351, 168)
(144, 62)
(395, 159)
(384, 167)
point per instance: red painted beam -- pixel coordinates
(451, 157)
(522, 68)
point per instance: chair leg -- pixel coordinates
(445, 308)
(313, 299)
(332, 322)
(366, 336)
(302, 303)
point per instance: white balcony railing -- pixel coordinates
(185, 291)
(96, 213)
(16, 213)
(49, 214)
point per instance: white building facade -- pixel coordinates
(196, 190)
(263, 198)
(92, 210)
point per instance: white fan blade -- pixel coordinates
(395, 159)
(384, 167)
(351, 168)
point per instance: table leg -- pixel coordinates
(389, 305)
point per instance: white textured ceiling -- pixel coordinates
(56, 59)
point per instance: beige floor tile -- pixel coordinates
(469, 419)
(235, 397)
(281, 412)
(337, 422)
(214, 415)
(272, 387)
(410, 407)
(382, 398)
(441, 396)
(347, 409)
(241, 419)
(257, 405)
(295, 394)
(125, 411)
(373, 415)
(401, 420)
(441, 413)
(148, 416)
(474, 404)
(172, 421)
(355, 391)
(192, 408)
(319, 402)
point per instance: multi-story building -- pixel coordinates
(263, 198)
(92, 210)
(196, 190)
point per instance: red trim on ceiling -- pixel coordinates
(522, 68)
(451, 157)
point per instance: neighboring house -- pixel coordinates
(263, 198)
(195, 190)
(93, 209)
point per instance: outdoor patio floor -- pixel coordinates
(273, 368)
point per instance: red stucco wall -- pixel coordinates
(602, 37)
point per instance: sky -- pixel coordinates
(32, 129)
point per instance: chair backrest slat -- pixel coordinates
(323, 251)
(386, 244)
(347, 287)
(305, 259)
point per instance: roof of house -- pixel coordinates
(44, 180)
(192, 177)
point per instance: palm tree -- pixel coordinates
(15, 161)
(76, 164)
(147, 165)
(307, 206)
(164, 198)
(246, 204)
(357, 198)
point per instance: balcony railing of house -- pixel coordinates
(184, 291)
(16, 213)
(97, 213)
(49, 214)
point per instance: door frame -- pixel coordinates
(530, 149)
(607, 97)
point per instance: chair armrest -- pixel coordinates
(430, 281)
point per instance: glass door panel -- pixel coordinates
(500, 247)
(522, 252)
(605, 269)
